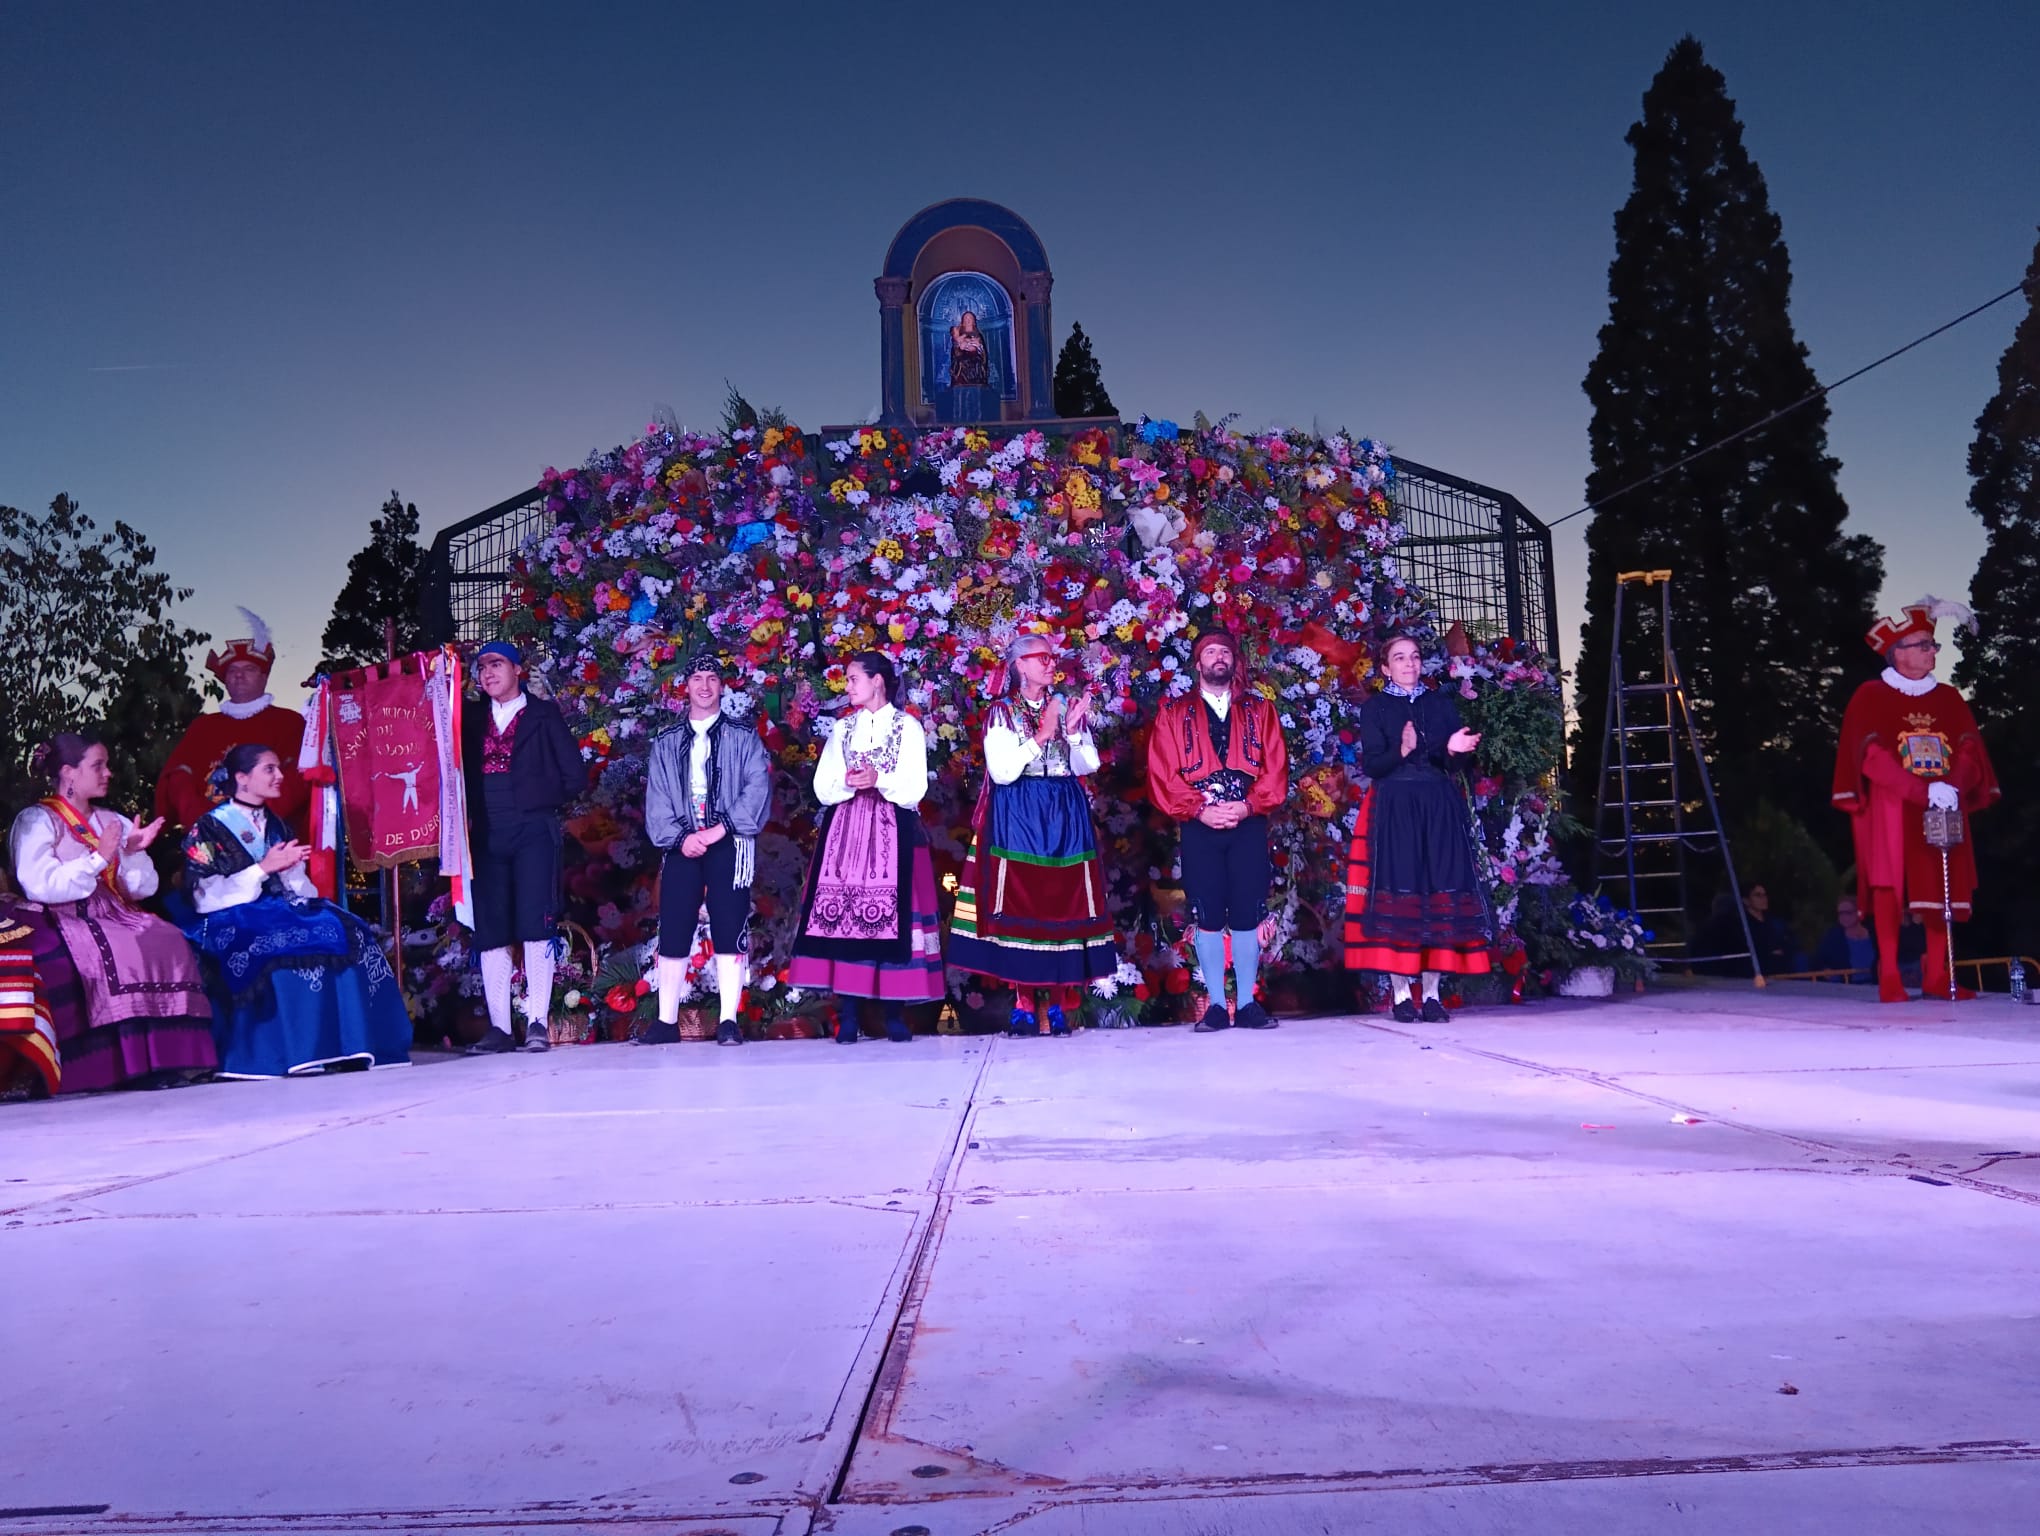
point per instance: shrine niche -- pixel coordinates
(964, 328)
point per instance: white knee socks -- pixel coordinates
(671, 973)
(729, 981)
(497, 969)
(1400, 985)
(538, 984)
(1430, 986)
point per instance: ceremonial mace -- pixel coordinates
(1944, 831)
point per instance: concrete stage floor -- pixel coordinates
(1342, 1277)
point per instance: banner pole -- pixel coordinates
(395, 906)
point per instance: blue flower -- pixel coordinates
(750, 536)
(1159, 431)
(642, 609)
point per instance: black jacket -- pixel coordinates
(546, 769)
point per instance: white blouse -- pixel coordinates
(215, 893)
(50, 864)
(866, 731)
(1009, 753)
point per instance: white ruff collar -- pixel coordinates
(247, 711)
(1911, 687)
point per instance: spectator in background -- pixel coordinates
(1776, 951)
(1848, 946)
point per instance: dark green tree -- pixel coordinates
(1079, 387)
(88, 638)
(1771, 597)
(1999, 665)
(382, 584)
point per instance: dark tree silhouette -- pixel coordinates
(382, 583)
(1079, 387)
(1771, 596)
(88, 637)
(1999, 665)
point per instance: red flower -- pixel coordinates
(621, 999)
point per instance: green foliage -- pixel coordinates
(1771, 597)
(1079, 386)
(2000, 663)
(87, 634)
(1522, 731)
(382, 584)
(1772, 847)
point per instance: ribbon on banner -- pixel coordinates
(456, 862)
(318, 767)
(384, 736)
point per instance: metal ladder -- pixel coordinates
(1651, 766)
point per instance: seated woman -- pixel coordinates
(122, 987)
(297, 984)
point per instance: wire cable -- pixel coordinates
(1800, 404)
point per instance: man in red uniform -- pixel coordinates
(1909, 743)
(249, 714)
(1218, 764)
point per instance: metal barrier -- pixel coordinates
(1976, 967)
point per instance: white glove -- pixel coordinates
(1943, 796)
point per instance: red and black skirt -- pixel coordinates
(1413, 896)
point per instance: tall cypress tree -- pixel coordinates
(1770, 598)
(382, 583)
(1079, 387)
(2000, 663)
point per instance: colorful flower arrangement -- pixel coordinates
(786, 554)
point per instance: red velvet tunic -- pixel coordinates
(181, 792)
(1893, 746)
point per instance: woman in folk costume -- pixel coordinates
(1414, 901)
(869, 923)
(297, 984)
(145, 1018)
(1031, 907)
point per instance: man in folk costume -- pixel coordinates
(1414, 902)
(522, 767)
(250, 713)
(1218, 764)
(708, 794)
(1030, 909)
(1910, 743)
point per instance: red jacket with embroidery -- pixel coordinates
(1893, 746)
(1180, 754)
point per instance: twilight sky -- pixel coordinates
(264, 263)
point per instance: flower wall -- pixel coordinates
(788, 554)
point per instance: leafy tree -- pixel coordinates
(87, 634)
(2000, 663)
(1079, 387)
(1771, 598)
(382, 583)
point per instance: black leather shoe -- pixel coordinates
(728, 1033)
(1404, 1012)
(898, 1031)
(1215, 1018)
(493, 1042)
(1434, 1012)
(846, 1032)
(1253, 1016)
(658, 1033)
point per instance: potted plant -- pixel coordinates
(1605, 946)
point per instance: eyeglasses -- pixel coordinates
(1917, 645)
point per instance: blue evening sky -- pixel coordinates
(265, 262)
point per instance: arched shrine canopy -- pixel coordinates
(958, 269)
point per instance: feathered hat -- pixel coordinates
(255, 648)
(1918, 619)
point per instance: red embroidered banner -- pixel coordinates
(389, 763)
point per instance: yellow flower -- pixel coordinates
(897, 631)
(888, 549)
(1124, 631)
(772, 438)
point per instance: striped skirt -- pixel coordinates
(1030, 910)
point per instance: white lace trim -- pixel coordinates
(1911, 687)
(247, 711)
